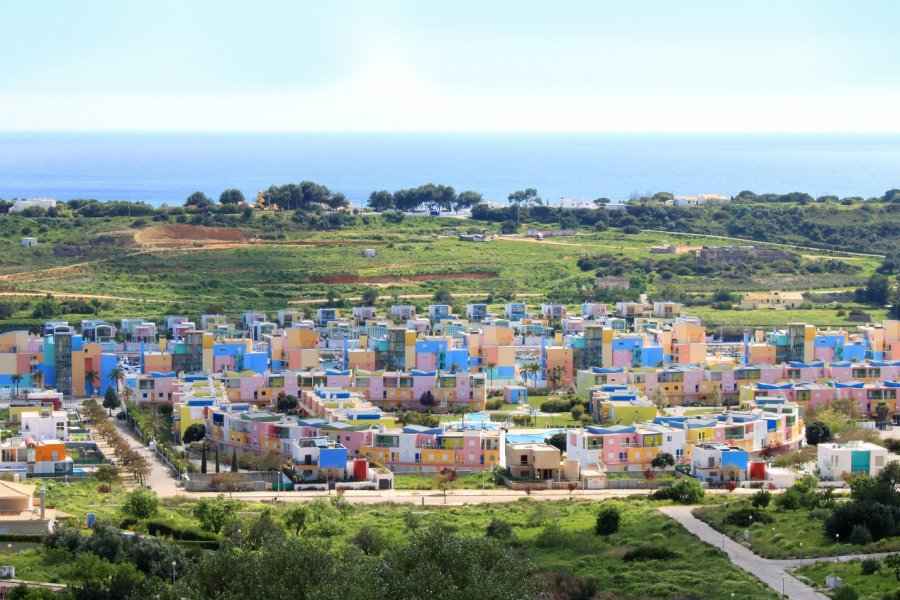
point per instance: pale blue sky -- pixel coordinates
(705, 66)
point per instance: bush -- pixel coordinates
(370, 540)
(762, 498)
(845, 593)
(742, 517)
(860, 536)
(498, 528)
(649, 552)
(141, 503)
(107, 474)
(686, 490)
(494, 404)
(607, 520)
(869, 566)
(104, 488)
(565, 584)
(508, 227)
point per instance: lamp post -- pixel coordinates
(9, 558)
(782, 585)
(837, 540)
(173, 572)
(801, 555)
(723, 542)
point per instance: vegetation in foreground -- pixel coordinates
(568, 549)
(869, 579)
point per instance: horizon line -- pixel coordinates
(446, 132)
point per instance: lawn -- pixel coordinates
(782, 537)
(869, 587)
(428, 481)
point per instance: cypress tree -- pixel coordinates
(234, 462)
(217, 459)
(203, 460)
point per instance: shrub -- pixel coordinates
(761, 498)
(370, 540)
(565, 584)
(649, 552)
(731, 486)
(742, 517)
(104, 488)
(498, 528)
(845, 593)
(494, 404)
(141, 503)
(107, 474)
(551, 536)
(869, 566)
(607, 520)
(686, 490)
(860, 536)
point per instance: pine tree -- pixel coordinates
(203, 460)
(217, 459)
(234, 462)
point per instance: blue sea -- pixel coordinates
(167, 167)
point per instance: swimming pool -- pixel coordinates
(530, 438)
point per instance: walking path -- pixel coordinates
(160, 479)
(770, 571)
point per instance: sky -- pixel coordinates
(701, 66)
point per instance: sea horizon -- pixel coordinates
(165, 167)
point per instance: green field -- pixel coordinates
(869, 587)
(135, 270)
(555, 536)
(782, 537)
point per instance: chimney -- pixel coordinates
(43, 503)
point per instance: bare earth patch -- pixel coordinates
(187, 235)
(346, 278)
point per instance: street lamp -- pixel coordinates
(9, 558)
(782, 585)
(837, 540)
(801, 555)
(173, 572)
(723, 542)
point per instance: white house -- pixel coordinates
(853, 457)
(29, 242)
(45, 424)
(26, 203)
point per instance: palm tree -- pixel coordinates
(555, 375)
(16, 379)
(90, 377)
(115, 374)
(490, 366)
(127, 394)
(531, 368)
(37, 379)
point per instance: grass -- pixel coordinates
(782, 537)
(869, 587)
(427, 481)
(270, 274)
(761, 318)
(565, 542)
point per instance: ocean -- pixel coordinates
(167, 167)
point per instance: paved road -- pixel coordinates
(160, 478)
(770, 572)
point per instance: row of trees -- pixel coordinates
(126, 457)
(434, 197)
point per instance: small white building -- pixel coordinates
(26, 203)
(45, 424)
(29, 242)
(856, 457)
(368, 253)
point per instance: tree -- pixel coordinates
(90, 378)
(427, 400)
(198, 199)
(882, 411)
(115, 375)
(231, 196)
(286, 403)
(218, 466)
(662, 461)
(557, 440)
(369, 296)
(467, 200)
(761, 498)
(370, 540)
(234, 460)
(194, 433)
(445, 479)
(892, 561)
(203, 459)
(877, 290)
(817, 433)
(555, 375)
(607, 520)
(110, 400)
(214, 514)
(295, 517)
(716, 396)
(141, 503)
(660, 398)
(381, 200)
(509, 227)
(264, 530)
(489, 368)
(16, 379)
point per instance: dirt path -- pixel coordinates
(42, 293)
